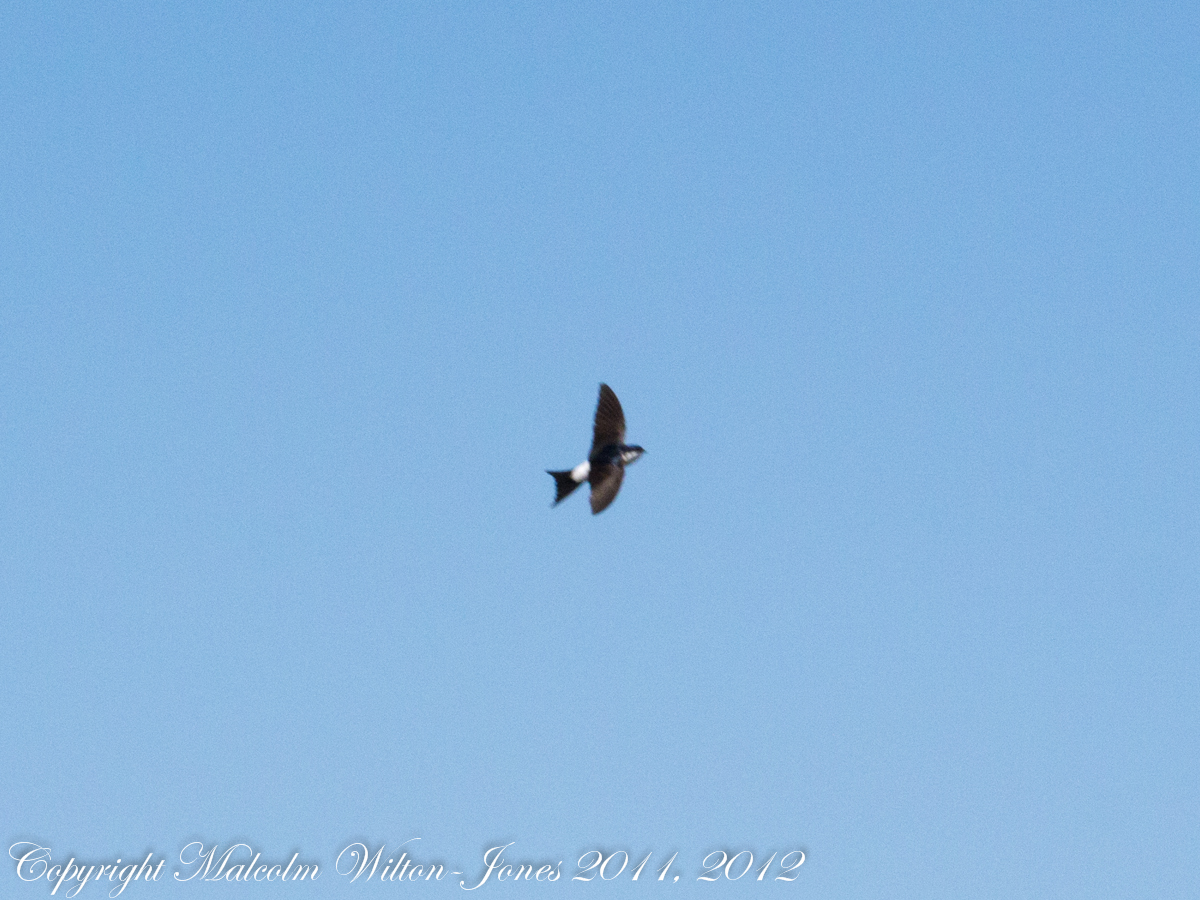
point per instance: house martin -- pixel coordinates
(605, 465)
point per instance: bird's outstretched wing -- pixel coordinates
(606, 481)
(610, 426)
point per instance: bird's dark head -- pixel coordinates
(630, 454)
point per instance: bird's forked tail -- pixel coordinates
(563, 485)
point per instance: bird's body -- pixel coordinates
(605, 465)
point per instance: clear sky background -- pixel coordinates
(298, 301)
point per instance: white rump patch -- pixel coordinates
(580, 473)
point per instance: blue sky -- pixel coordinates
(298, 302)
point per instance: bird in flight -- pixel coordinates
(605, 465)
